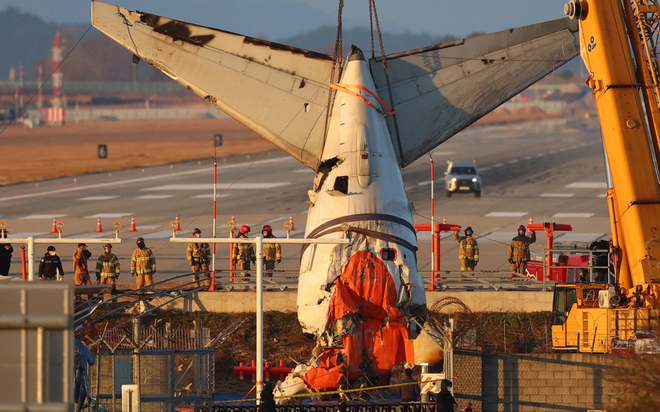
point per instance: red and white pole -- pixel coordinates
(57, 71)
(20, 94)
(40, 98)
(212, 288)
(433, 238)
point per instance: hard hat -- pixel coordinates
(244, 229)
(139, 240)
(521, 227)
(196, 230)
(81, 244)
(469, 228)
(51, 248)
(107, 245)
(267, 228)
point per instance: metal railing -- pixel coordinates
(590, 267)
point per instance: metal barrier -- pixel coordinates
(350, 406)
(590, 267)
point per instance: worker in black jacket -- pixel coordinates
(50, 265)
(5, 255)
(445, 400)
(410, 392)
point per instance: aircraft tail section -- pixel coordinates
(440, 90)
(280, 92)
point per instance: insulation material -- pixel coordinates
(366, 332)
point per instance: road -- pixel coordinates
(542, 170)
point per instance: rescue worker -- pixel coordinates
(519, 251)
(272, 251)
(409, 393)
(5, 255)
(143, 264)
(445, 400)
(80, 266)
(243, 253)
(107, 267)
(198, 258)
(50, 266)
(468, 250)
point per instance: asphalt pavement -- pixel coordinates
(544, 170)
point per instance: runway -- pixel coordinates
(542, 170)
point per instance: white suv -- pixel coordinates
(462, 176)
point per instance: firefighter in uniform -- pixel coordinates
(243, 253)
(519, 251)
(468, 250)
(198, 258)
(107, 267)
(80, 268)
(272, 251)
(143, 264)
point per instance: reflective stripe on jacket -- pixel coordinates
(519, 248)
(143, 261)
(272, 251)
(468, 247)
(198, 252)
(107, 265)
(243, 251)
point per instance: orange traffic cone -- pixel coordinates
(178, 227)
(54, 229)
(133, 229)
(99, 229)
(444, 220)
(531, 221)
(291, 221)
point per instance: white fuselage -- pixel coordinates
(374, 199)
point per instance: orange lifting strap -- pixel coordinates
(344, 88)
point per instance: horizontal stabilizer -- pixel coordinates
(279, 92)
(438, 91)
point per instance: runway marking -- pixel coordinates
(540, 155)
(149, 227)
(578, 237)
(574, 215)
(424, 183)
(91, 235)
(142, 179)
(602, 196)
(27, 234)
(557, 195)
(221, 186)
(162, 234)
(587, 185)
(527, 157)
(506, 214)
(277, 219)
(498, 165)
(108, 215)
(503, 237)
(483, 169)
(513, 161)
(98, 197)
(210, 196)
(154, 197)
(302, 171)
(43, 216)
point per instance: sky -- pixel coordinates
(275, 19)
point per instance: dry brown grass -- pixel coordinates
(48, 152)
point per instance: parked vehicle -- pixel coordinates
(462, 176)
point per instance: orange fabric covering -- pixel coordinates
(364, 289)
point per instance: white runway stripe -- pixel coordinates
(278, 219)
(210, 196)
(557, 195)
(506, 214)
(221, 186)
(573, 215)
(587, 185)
(98, 197)
(162, 234)
(43, 216)
(310, 171)
(26, 234)
(143, 179)
(110, 234)
(602, 195)
(154, 197)
(108, 215)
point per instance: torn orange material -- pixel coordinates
(345, 88)
(376, 335)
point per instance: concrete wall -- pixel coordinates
(521, 383)
(477, 301)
